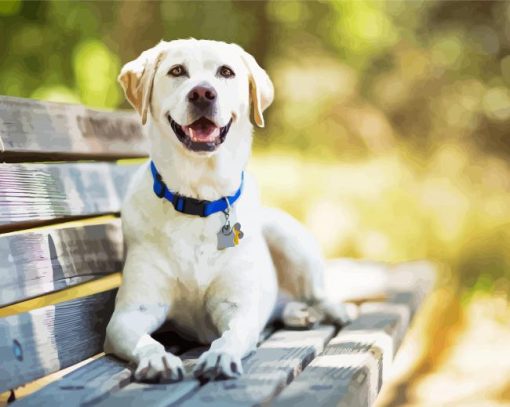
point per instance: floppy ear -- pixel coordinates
(137, 79)
(261, 87)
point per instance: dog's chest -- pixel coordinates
(190, 243)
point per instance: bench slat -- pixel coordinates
(95, 381)
(45, 340)
(49, 259)
(161, 394)
(30, 128)
(351, 370)
(86, 385)
(276, 363)
(42, 192)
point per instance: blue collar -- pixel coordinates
(192, 206)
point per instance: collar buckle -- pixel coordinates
(189, 206)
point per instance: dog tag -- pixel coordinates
(229, 236)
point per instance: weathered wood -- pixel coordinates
(50, 259)
(353, 365)
(351, 369)
(94, 382)
(276, 363)
(38, 192)
(85, 386)
(349, 372)
(157, 394)
(154, 395)
(99, 380)
(45, 340)
(30, 128)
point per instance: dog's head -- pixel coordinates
(197, 90)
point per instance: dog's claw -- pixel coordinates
(217, 365)
(159, 366)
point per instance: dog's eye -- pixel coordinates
(177, 70)
(226, 72)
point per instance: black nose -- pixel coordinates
(202, 95)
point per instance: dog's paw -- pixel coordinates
(339, 314)
(300, 315)
(159, 366)
(217, 365)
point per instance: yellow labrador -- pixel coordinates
(202, 252)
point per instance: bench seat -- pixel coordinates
(64, 172)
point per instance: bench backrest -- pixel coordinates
(61, 247)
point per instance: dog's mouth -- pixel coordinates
(201, 135)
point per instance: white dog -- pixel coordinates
(202, 252)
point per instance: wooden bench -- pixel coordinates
(61, 252)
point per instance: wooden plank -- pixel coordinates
(45, 340)
(39, 192)
(351, 370)
(95, 381)
(36, 385)
(154, 395)
(276, 363)
(107, 283)
(84, 386)
(159, 394)
(49, 259)
(45, 129)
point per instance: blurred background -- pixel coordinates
(394, 116)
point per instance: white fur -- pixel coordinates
(173, 269)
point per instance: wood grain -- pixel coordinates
(30, 128)
(99, 380)
(351, 370)
(97, 383)
(87, 385)
(41, 192)
(39, 342)
(276, 363)
(52, 258)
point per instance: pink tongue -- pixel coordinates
(204, 133)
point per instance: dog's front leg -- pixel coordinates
(142, 306)
(234, 312)
(128, 336)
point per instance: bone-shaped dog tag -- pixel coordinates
(229, 236)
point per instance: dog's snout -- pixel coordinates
(202, 94)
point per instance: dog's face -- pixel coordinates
(197, 90)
